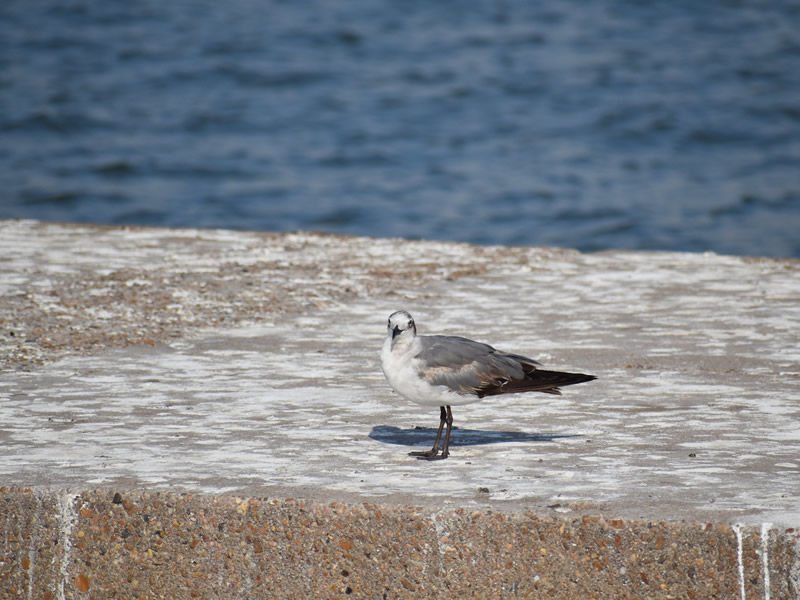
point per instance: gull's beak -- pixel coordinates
(395, 331)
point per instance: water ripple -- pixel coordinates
(619, 124)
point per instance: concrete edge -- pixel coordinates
(137, 544)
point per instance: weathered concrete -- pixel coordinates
(240, 364)
(152, 545)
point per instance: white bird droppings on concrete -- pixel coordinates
(694, 415)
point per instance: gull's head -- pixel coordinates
(401, 326)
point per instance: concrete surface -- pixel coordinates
(152, 545)
(222, 364)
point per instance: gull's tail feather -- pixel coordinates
(538, 380)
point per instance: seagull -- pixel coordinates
(446, 371)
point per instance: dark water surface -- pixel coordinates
(608, 124)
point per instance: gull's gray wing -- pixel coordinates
(466, 366)
(470, 367)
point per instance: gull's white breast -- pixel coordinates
(404, 373)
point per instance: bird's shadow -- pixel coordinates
(423, 436)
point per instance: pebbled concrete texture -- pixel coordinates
(154, 545)
(214, 374)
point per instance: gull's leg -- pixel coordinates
(446, 417)
(446, 449)
(430, 454)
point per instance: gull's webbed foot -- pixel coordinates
(427, 454)
(430, 455)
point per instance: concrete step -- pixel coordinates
(218, 373)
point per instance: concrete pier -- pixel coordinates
(196, 413)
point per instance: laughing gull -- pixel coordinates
(445, 371)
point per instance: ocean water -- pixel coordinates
(593, 125)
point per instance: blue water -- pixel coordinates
(607, 124)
